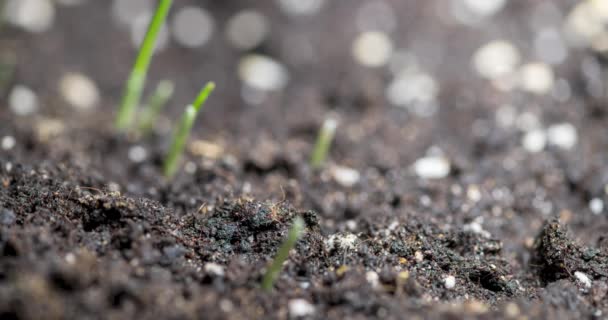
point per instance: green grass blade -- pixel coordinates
(183, 131)
(158, 100)
(295, 232)
(323, 143)
(137, 78)
(203, 95)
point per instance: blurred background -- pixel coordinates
(475, 90)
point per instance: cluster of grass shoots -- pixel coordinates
(135, 86)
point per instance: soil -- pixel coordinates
(86, 233)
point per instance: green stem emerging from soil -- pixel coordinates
(321, 149)
(157, 101)
(183, 131)
(295, 232)
(137, 79)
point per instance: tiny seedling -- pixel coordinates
(137, 78)
(324, 139)
(155, 104)
(295, 232)
(183, 131)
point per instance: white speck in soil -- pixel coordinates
(536, 78)
(473, 193)
(484, 8)
(372, 48)
(23, 101)
(34, 16)
(345, 176)
(214, 269)
(496, 59)
(583, 279)
(8, 142)
(79, 91)
(449, 282)
(192, 27)
(475, 227)
(190, 167)
(70, 258)
(416, 91)
(596, 205)
(137, 154)
(301, 7)
(563, 135)
(300, 308)
(262, 72)
(534, 141)
(432, 167)
(247, 29)
(372, 278)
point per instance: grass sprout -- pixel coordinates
(324, 139)
(155, 104)
(137, 78)
(295, 232)
(183, 131)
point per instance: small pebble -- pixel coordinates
(536, 78)
(583, 279)
(345, 176)
(372, 278)
(300, 308)
(79, 91)
(485, 8)
(534, 141)
(432, 167)
(23, 101)
(449, 282)
(192, 27)
(137, 154)
(372, 48)
(214, 269)
(411, 89)
(247, 29)
(8, 142)
(496, 59)
(34, 16)
(301, 7)
(596, 205)
(262, 72)
(563, 135)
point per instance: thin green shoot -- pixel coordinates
(324, 139)
(295, 232)
(162, 94)
(183, 131)
(137, 78)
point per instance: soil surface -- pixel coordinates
(90, 231)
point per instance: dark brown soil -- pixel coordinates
(85, 233)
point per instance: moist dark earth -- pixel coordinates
(87, 233)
